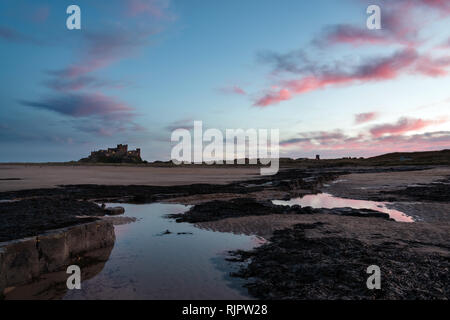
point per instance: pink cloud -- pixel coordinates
(356, 36)
(41, 14)
(396, 28)
(443, 6)
(154, 8)
(432, 67)
(341, 145)
(396, 24)
(101, 50)
(365, 117)
(233, 90)
(444, 45)
(274, 98)
(372, 70)
(403, 125)
(380, 139)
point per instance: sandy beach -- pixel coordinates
(48, 176)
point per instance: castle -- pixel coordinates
(120, 154)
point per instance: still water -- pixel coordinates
(326, 200)
(145, 263)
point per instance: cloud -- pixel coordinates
(62, 84)
(370, 70)
(397, 29)
(442, 6)
(233, 90)
(428, 66)
(365, 117)
(75, 86)
(317, 138)
(382, 138)
(444, 45)
(91, 113)
(84, 105)
(101, 49)
(295, 61)
(152, 8)
(353, 35)
(14, 36)
(403, 125)
(274, 98)
(336, 144)
(40, 14)
(187, 124)
(374, 69)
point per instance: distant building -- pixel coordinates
(318, 157)
(120, 154)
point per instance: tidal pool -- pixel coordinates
(328, 201)
(145, 263)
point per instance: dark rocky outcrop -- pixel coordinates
(294, 267)
(437, 191)
(114, 211)
(241, 207)
(31, 217)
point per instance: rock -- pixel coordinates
(115, 211)
(31, 217)
(166, 232)
(117, 221)
(23, 260)
(296, 267)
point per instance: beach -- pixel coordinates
(394, 216)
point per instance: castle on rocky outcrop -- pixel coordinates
(120, 154)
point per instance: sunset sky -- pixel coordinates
(140, 68)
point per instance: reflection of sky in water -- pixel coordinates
(147, 265)
(325, 200)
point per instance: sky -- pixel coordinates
(138, 69)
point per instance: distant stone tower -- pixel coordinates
(318, 157)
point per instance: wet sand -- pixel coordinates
(366, 186)
(386, 186)
(423, 237)
(51, 176)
